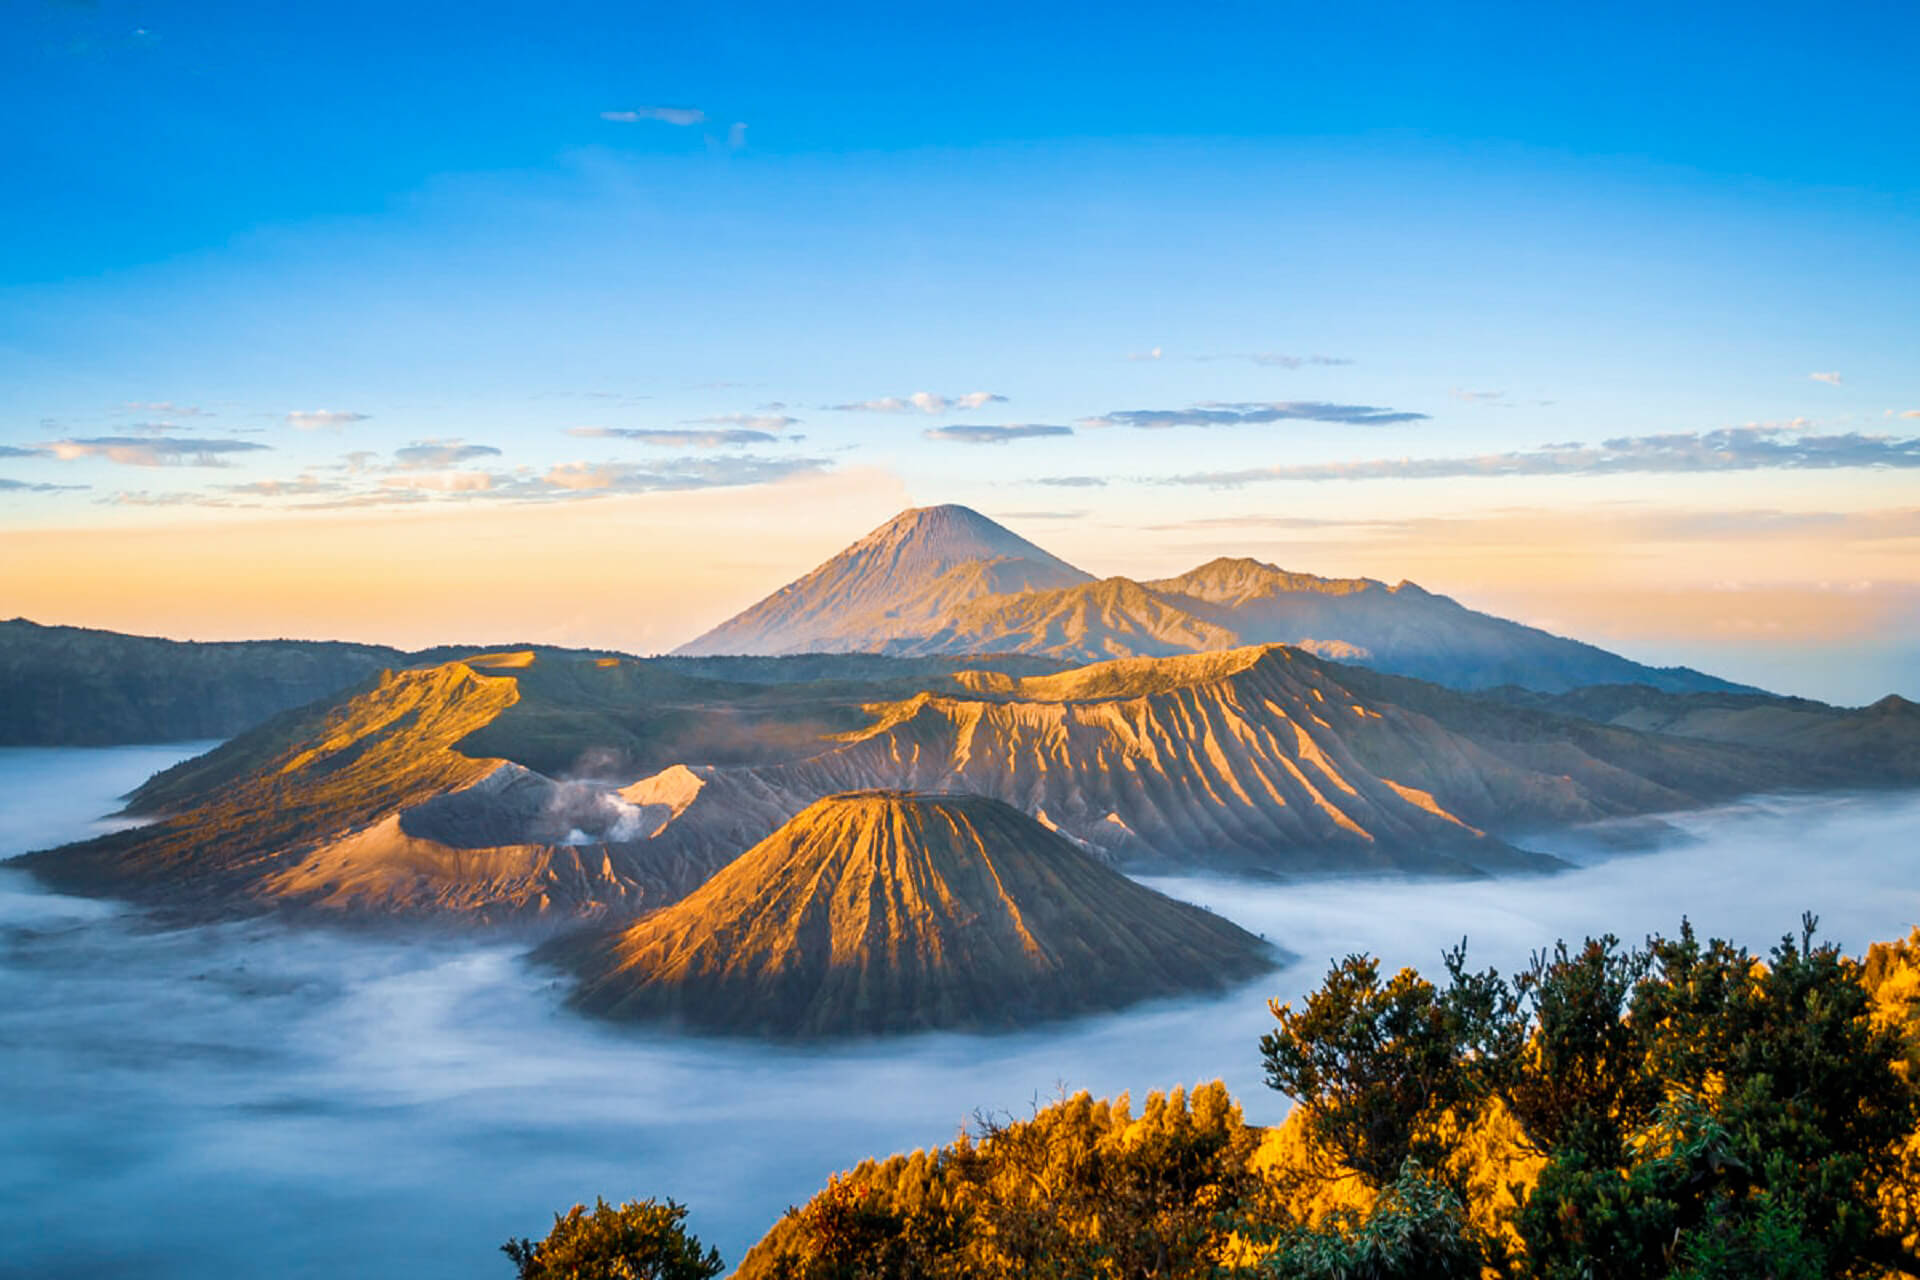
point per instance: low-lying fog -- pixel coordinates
(245, 1100)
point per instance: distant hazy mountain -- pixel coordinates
(903, 579)
(72, 686)
(885, 911)
(947, 580)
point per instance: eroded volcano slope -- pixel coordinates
(878, 912)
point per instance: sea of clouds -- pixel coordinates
(250, 1100)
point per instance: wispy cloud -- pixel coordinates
(1831, 379)
(1072, 482)
(444, 481)
(300, 486)
(994, 435)
(153, 451)
(1277, 359)
(427, 455)
(681, 116)
(1151, 353)
(921, 402)
(1732, 449)
(768, 420)
(167, 407)
(170, 498)
(1255, 413)
(678, 474)
(675, 438)
(731, 136)
(324, 419)
(15, 451)
(22, 486)
(1477, 397)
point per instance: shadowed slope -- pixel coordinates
(879, 911)
(304, 777)
(75, 686)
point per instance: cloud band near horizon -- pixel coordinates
(1732, 449)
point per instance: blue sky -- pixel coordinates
(299, 265)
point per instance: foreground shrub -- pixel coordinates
(639, 1240)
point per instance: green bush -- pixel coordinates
(639, 1240)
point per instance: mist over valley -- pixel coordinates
(265, 1097)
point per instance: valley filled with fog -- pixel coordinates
(249, 1098)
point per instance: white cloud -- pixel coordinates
(1254, 413)
(1279, 359)
(1151, 353)
(766, 421)
(1751, 448)
(921, 402)
(682, 438)
(682, 116)
(1831, 379)
(428, 455)
(166, 407)
(994, 435)
(328, 419)
(442, 482)
(152, 451)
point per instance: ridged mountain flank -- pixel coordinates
(903, 579)
(874, 912)
(1262, 760)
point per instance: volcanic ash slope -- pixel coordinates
(875, 912)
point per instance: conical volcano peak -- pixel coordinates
(899, 580)
(879, 911)
(950, 533)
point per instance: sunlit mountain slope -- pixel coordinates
(884, 911)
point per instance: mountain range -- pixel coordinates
(546, 789)
(902, 791)
(947, 580)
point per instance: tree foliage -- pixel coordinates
(1681, 1109)
(639, 1240)
(1699, 1111)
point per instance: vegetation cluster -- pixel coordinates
(1680, 1109)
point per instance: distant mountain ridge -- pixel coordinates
(875, 912)
(75, 686)
(1014, 598)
